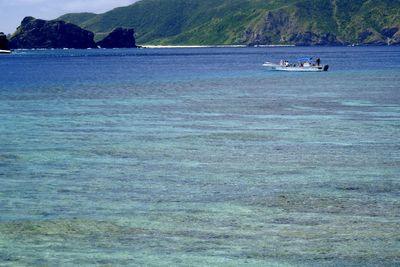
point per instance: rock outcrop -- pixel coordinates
(392, 35)
(3, 42)
(119, 38)
(37, 33)
(311, 38)
(395, 40)
(387, 36)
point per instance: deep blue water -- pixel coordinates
(199, 157)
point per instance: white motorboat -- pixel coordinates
(5, 51)
(302, 65)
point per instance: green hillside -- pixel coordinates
(305, 22)
(78, 18)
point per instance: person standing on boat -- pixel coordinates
(318, 61)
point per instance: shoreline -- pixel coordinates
(210, 46)
(185, 46)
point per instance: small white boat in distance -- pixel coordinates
(5, 51)
(302, 65)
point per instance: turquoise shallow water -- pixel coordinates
(199, 157)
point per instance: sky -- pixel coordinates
(13, 11)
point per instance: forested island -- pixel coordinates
(219, 22)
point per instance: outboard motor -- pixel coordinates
(326, 67)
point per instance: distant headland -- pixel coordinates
(219, 22)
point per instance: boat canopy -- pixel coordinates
(305, 59)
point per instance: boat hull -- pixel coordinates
(276, 67)
(5, 51)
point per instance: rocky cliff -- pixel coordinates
(327, 23)
(37, 33)
(389, 36)
(3, 42)
(119, 38)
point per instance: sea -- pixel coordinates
(199, 157)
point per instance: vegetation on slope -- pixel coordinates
(251, 21)
(78, 18)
